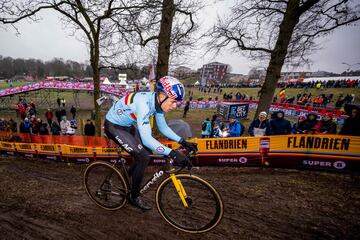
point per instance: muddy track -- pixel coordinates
(46, 200)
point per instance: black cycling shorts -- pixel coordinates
(127, 137)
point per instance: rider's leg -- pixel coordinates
(125, 137)
(142, 159)
(137, 169)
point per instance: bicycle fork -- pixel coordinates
(180, 189)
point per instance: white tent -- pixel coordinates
(197, 83)
(106, 81)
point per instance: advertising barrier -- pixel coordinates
(26, 149)
(327, 152)
(79, 154)
(229, 151)
(320, 152)
(7, 148)
(49, 151)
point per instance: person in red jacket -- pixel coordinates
(22, 111)
(49, 116)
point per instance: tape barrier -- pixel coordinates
(80, 86)
(321, 152)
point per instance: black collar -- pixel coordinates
(157, 104)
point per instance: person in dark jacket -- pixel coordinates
(279, 125)
(43, 129)
(12, 125)
(58, 115)
(89, 128)
(186, 108)
(310, 124)
(26, 126)
(73, 111)
(234, 126)
(36, 125)
(55, 128)
(58, 101)
(295, 126)
(260, 126)
(63, 112)
(352, 124)
(327, 125)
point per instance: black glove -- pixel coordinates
(179, 159)
(188, 145)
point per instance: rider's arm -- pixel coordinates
(143, 124)
(165, 129)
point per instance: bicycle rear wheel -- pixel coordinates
(105, 185)
(205, 208)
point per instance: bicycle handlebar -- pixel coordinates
(188, 154)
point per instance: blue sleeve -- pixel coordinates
(143, 124)
(164, 128)
(235, 129)
(238, 129)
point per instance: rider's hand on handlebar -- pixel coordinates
(188, 145)
(179, 159)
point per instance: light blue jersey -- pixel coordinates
(138, 108)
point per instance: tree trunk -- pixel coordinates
(96, 76)
(291, 18)
(167, 17)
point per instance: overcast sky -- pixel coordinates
(47, 39)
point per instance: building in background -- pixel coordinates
(213, 73)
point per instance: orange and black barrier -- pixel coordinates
(324, 152)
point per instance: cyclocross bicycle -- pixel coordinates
(185, 201)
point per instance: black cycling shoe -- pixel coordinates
(139, 202)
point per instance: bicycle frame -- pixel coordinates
(159, 175)
(156, 176)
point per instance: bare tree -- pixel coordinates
(114, 27)
(94, 19)
(167, 26)
(280, 31)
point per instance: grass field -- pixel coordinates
(253, 92)
(46, 99)
(15, 84)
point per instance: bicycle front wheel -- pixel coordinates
(205, 206)
(105, 185)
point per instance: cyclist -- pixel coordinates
(138, 108)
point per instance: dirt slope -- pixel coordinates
(46, 200)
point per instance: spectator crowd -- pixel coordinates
(52, 123)
(279, 125)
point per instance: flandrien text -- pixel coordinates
(226, 144)
(318, 142)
